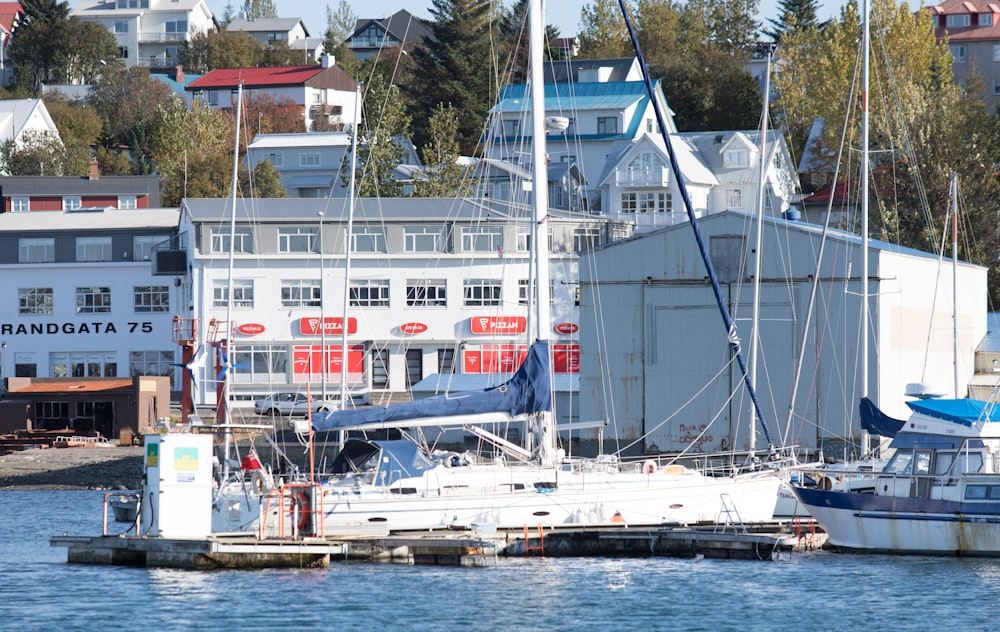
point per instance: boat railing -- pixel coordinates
(298, 508)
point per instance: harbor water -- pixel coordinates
(801, 591)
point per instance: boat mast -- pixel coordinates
(342, 438)
(227, 441)
(866, 40)
(540, 210)
(954, 279)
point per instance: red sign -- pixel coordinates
(565, 358)
(566, 328)
(250, 329)
(494, 358)
(411, 329)
(310, 325)
(499, 324)
(307, 363)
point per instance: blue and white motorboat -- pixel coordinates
(938, 494)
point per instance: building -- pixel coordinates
(19, 194)
(435, 286)
(149, 32)
(401, 31)
(661, 368)
(973, 31)
(11, 14)
(22, 120)
(326, 93)
(291, 32)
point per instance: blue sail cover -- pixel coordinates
(529, 391)
(961, 411)
(877, 422)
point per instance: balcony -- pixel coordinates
(648, 177)
(162, 38)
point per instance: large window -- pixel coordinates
(176, 27)
(309, 159)
(511, 127)
(607, 125)
(20, 204)
(242, 293)
(71, 203)
(151, 299)
(93, 248)
(143, 245)
(482, 238)
(121, 26)
(127, 202)
(34, 300)
(370, 293)
(423, 239)
(958, 52)
(380, 367)
(586, 237)
(301, 293)
(958, 20)
(242, 240)
(36, 250)
(736, 158)
(93, 300)
(734, 198)
(150, 363)
(481, 292)
(985, 19)
(297, 239)
(260, 363)
(426, 293)
(646, 202)
(368, 239)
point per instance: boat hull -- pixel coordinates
(890, 524)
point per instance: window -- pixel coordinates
(71, 203)
(482, 238)
(82, 364)
(646, 202)
(151, 299)
(123, 52)
(423, 239)
(126, 202)
(734, 198)
(523, 239)
(511, 127)
(36, 250)
(34, 300)
(242, 293)
(261, 363)
(426, 293)
(276, 159)
(370, 293)
(151, 363)
(20, 204)
(958, 52)
(524, 291)
(296, 240)
(93, 300)
(54, 414)
(996, 52)
(144, 245)
(736, 158)
(481, 292)
(414, 366)
(996, 86)
(301, 293)
(93, 248)
(650, 126)
(368, 239)
(985, 19)
(586, 237)
(607, 125)
(121, 26)
(446, 360)
(242, 240)
(213, 97)
(176, 27)
(959, 21)
(380, 367)
(309, 159)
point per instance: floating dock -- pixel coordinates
(443, 548)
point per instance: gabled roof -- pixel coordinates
(971, 8)
(10, 16)
(15, 114)
(277, 77)
(266, 25)
(568, 70)
(691, 164)
(402, 26)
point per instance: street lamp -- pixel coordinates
(322, 312)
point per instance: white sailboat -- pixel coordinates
(398, 484)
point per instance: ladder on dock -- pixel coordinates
(726, 516)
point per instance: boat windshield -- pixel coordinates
(899, 463)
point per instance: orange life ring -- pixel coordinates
(648, 466)
(301, 501)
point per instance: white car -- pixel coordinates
(293, 404)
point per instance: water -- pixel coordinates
(804, 591)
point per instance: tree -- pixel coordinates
(340, 23)
(263, 182)
(602, 31)
(793, 15)
(266, 114)
(86, 49)
(183, 141)
(260, 9)
(442, 176)
(384, 126)
(219, 49)
(79, 128)
(38, 154)
(457, 67)
(35, 43)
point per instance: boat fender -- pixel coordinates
(648, 466)
(261, 482)
(301, 500)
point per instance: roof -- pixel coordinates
(303, 139)
(282, 76)
(54, 221)
(266, 25)
(401, 25)
(574, 96)
(106, 9)
(15, 114)
(10, 15)
(966, 7)
(568, 70)
(69, 185)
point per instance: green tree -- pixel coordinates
(384, 126)
(457, 67)
(219, 49)
(442, 176)
(79, 129)
(340, 23)
(602, 31)
(793, 15)
(183, 141)
(35, 44)
(260, 9)
(38, 154)
(86, 49)
(263, 182)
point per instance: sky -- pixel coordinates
(564, 14)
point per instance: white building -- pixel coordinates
(149, 32)
(660, 367)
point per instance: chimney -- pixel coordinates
(328, 60)
(179, 74)
(94, 173)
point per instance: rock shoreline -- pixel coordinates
(72, 468)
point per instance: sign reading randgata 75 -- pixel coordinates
(95, 327)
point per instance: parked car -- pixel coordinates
(293, 404)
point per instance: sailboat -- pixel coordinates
(399, 484)
(939, 493)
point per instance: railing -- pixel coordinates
(299, 505)
(648, 177)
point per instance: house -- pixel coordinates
(289, 31)
(326, 93)
(661, 364)
(11, 14)
(178, 80)
(400, 31)
(973, 31)
(149, 32)
(501, 180)
(23, 119)
(21, 194)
